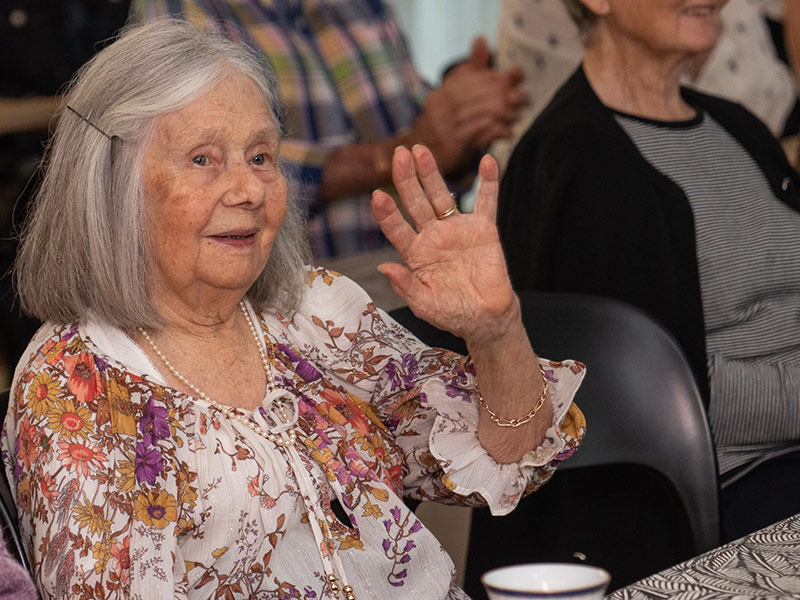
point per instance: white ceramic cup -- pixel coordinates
(546, 580)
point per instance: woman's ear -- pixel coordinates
(599, 7)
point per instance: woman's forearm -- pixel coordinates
(472, 108)
(358, 169)
(791, 34)
(511, 384)
(19, 115)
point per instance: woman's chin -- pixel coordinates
(231, 278)
(703, 40)
(234, 264)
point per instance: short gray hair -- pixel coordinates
(581, 15)
(85, 249)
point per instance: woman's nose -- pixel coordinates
(243, 185)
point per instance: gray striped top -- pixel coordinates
(748, 250)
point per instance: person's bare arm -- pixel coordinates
(18, 115)
(791, 37)
(791, 33)
(473, 107)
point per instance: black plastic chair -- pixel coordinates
(641, 493)
(8, 510)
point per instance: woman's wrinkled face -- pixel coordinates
(214, 194)
(682, 26)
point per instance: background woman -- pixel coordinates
(747, 64)
(683, 204)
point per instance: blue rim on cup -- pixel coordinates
(546, 580)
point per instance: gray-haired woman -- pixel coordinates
(202, 416)
(683, 204)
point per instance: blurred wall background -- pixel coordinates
(440, 32)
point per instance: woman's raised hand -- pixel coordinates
(455, 278)
(455, 274)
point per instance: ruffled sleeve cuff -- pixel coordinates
(466, 465)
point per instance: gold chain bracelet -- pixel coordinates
(501, 422)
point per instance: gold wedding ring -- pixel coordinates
(448, 212)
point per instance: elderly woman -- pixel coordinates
(204, 417)
(683, 204)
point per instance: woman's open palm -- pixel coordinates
(455, 274)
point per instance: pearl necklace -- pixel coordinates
(273, 392)
(286, 436)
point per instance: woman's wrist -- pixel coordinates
(493, 334)
(515, 421)
(513, 389)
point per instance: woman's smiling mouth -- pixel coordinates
(236, 238)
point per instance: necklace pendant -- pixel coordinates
(272, 415)
(278, 429)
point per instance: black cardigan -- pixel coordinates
(582, 211)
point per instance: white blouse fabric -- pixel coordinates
(128, 488)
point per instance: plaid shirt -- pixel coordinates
(344, 75)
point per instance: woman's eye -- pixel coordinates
(260, 159)
(200, 160)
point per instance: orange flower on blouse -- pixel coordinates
(84, 380)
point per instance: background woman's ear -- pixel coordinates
(599, 7)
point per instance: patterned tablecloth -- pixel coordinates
(764, 564)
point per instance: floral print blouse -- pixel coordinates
(128, 488)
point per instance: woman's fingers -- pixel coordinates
(408, 187)
(488, 188)
(425, 195)
(438, 195)
(420, 185)
(394, 226)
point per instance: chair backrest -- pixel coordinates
(645, 424)
(8, 510)
(639, 397)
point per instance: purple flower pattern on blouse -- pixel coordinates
(398, 547)
(410, 371)
(456, 390)
(149, 463)
(404, 374)
(153, 423)
(303, 368)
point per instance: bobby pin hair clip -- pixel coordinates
(95, 127)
